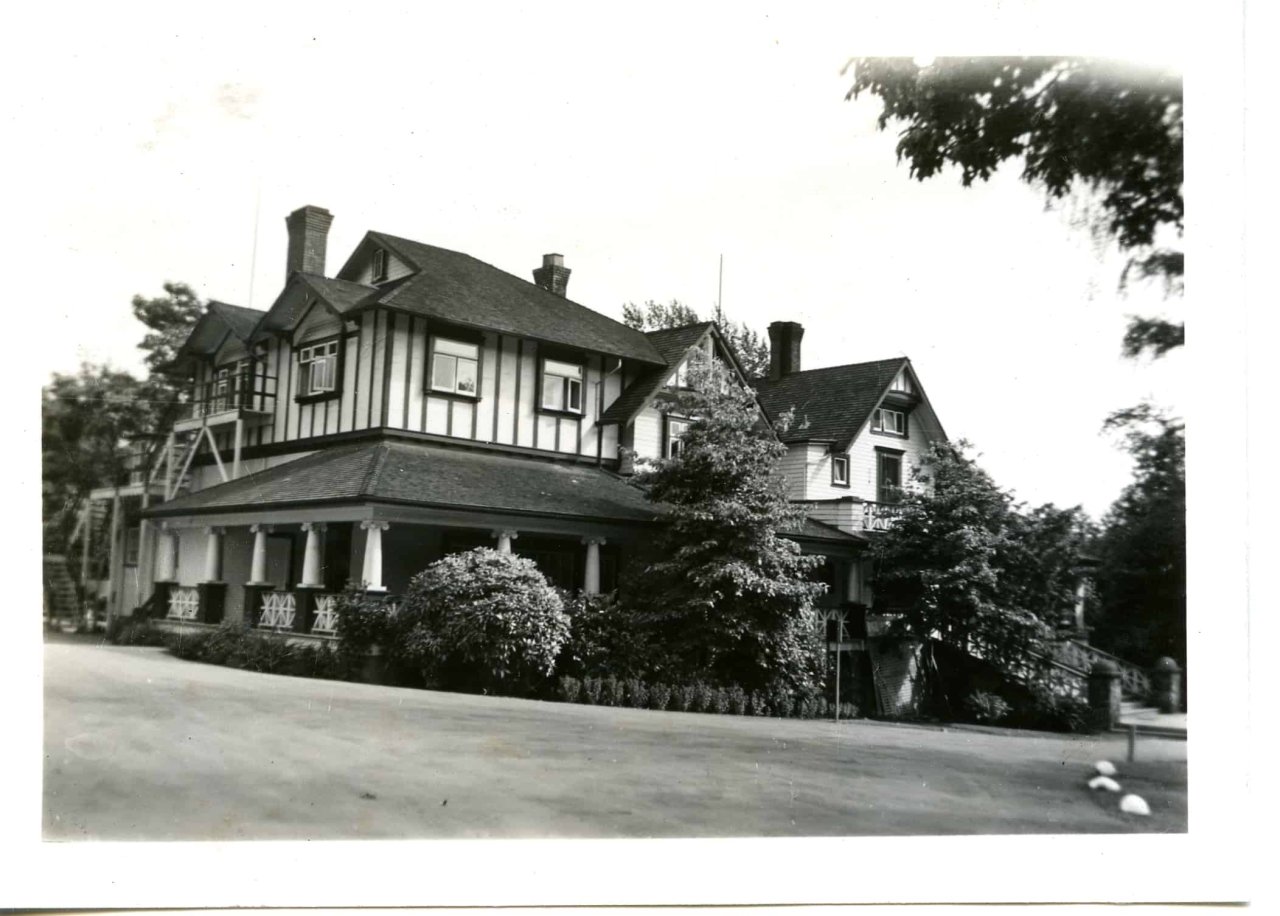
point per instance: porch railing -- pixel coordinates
(184, 603)
(278, 610)
(326, 621)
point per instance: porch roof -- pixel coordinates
(409, 473)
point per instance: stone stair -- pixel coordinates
(1148, 720)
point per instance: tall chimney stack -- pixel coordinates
(308, 240)
(552, 276)
(784, 348)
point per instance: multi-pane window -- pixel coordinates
(318, 368)
(561, 386)
(840, 470)
(675, 433)
(455, 366)
(890, 421)
(230, 386)
(888, 476)
(681, 377)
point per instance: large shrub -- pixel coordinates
(480, 620)
(604, 638)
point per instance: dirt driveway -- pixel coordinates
(141, 745)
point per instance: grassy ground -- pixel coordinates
(140, 745)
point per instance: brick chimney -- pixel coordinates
(552, 276)
(784, 348)
(308, 239)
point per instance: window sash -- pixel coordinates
(318, 365)
(675, 432)
(891, 421)
(455, 366)
(840, 470)
(890, 477)
(561, 386)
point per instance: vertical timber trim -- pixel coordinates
(408, 371)
(515, 425)
(497, 389)
(389, 330)
(475, 405)
(355, 390)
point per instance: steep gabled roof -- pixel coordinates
(412, 473)
(219, 321)
(460, 289)
(342, 296)
(831, 404)
(672, 344)
(241, 320)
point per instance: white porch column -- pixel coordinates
(258, 570)
(591, 579)
(505, 536)
(213, 555)
(311, 559)
(165, 556)
(372, 570)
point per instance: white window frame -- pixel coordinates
(674, 443)
(680, 378)
(312, 360)
(562, 383)
(837, 461)
(460, 354)
(880, 426)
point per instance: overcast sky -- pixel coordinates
(643, 146)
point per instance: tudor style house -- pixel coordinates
(420, 401)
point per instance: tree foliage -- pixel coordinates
(751, 349)
(726, 596)
(1140, 585)
(86, 419)
(965, 565)
(1072, 122)
(169, 320)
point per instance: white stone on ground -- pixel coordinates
(1104, 782)
(1133, 804)
(1105, 767)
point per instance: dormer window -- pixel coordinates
(901, 382)
(455, 366)
(681, 377)
(318, 369)
(892, 422)
(840, 470)
(379, 265)
(561, 386)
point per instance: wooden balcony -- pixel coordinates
(248, 397)
(878, 516)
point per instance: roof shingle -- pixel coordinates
(458, 288)
(428, 475)
(831, 404)
(672, 344)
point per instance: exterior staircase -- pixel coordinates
(61, 598)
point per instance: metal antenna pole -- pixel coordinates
(253, 258)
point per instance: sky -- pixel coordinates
(644, 145)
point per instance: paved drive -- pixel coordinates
(141, 745)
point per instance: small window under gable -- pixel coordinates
(380, 261)
(680, 378)
(886, 420)
(901, 382)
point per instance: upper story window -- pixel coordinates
(455, 366)
(318, 369)
(379, 264)
(681, 377)
(840, 470)
(561, 386)
(901, 382)
(676, 428)
(889, 421)
(888, 476)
